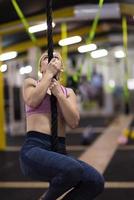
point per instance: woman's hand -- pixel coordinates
(55, 87)
(54, 67)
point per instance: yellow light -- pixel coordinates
(39, 27)
(119, 54)
(3, 68)
(70, 40)
(99, 53)
(87, 48)
(8, 56)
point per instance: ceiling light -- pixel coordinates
(111, 83)
(119, 54)
(3, 68)
(70, 40)
(99, 53)
(26, 70)
(130, 84)
(8, 55)
(86, 48)
(39, 27)
(22, 70)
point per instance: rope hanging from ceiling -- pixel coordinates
(54, 121)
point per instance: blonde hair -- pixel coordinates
(44, 54)
(40, 59)
(62, 64)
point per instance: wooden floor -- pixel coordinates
(99, 154)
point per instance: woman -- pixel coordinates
(37, 159)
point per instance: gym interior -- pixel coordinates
(96, 41)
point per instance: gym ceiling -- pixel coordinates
(109, 30)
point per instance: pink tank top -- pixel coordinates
(45, 105)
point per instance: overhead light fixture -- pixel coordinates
(119, 54)
(39, 27)
(87, 48)
(70, 40)
(8, 56)
(111, 83)
(26, 70)
(130, 84)
(99, 53)
(3, 68)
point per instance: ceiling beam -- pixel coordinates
(127, 9)
(42, 42)
(17, 26)
(59, 15)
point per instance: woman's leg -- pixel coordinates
(62, 171)
(91, 185)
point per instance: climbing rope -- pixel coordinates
(54, 121)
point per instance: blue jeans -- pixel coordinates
(62, 171)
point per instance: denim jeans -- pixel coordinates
(62, 171)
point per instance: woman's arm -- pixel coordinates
(34, 93)
(69, 108)
(67, 104)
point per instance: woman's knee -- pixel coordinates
(68, 178)
(100, 184)
(74, 173)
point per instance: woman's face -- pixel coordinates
(44, 61)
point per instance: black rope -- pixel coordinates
(54, 121)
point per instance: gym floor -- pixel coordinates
(102, 151)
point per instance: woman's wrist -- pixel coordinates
(48, 75)
(60, 95)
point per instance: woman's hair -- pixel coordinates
(44, 54)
